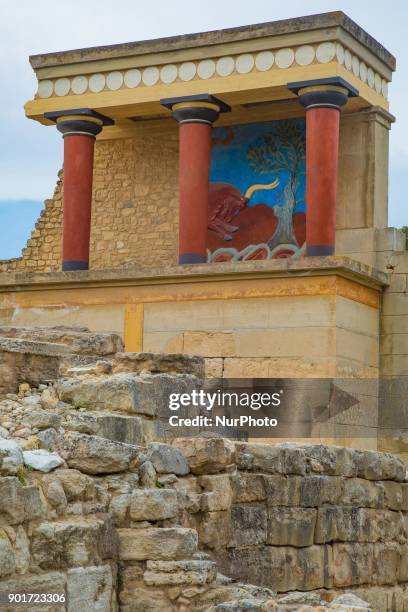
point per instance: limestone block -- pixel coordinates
(89, 588)
(301, 569)
(34, 506)
(7, 559)
(148, 474)
(248, 487)
(350, 602)
(159, 363)
(11, 457)
(72, 543)
(96, 455)
(214, 529)
(167, 459)
(152, 543)
(48, 582)
(189, 494)
(56, 495)
(282, 490)
(125, 392)
(363, 493)
(355, 564)
(248, 524)
(291, 526)
(393, 494)
(118, 508)
(11, 501)
(42, 460)
(42, 419)
(317, 490)
(350, 524)
(214, 367)
(21, 551)
(161, 573)
(127, 429)
(206, 455)
(276, 458)
(153, 504)
(403, 564)
(217, 493)
(76, 486)
(380, 466)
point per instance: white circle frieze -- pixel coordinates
(150, 76)
(304, 55)
(384, 88)
(132, 78)
(45, 89)
(264, 60)
(114, 80)
(370, 77)
(206, 69)
(244, 63)
(347, 59)
(62, 86)
(325, 52)
(340, 53)
(377, 83)
(363, 72)
(355, 66)
(97, 82)
(79, 84)
(187, 71)
(168, 74)
(284, 58)
(225, 66)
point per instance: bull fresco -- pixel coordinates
(257, 191)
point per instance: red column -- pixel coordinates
(194, 171)
(323, 100)
(322, 146)
(195, 116)
(78, 171)
(79, 128)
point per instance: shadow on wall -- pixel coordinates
(17, 221)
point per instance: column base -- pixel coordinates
(192, 258)
(319, 250)
(68, 266)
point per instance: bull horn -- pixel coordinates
(253, 188)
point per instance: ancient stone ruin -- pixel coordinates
(96, 504)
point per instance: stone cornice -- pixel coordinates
(261, 30)
(279, 268)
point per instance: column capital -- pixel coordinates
(82, 121)
(201, 108)
(323, 93)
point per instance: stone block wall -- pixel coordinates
(97, 509)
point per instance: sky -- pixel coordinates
(31, 154)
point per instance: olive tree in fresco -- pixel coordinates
(283, 151)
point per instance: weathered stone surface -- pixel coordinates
(319, 490)
(127, 429)
(217, 493)
(355, 564)
(167, 543)
(11, 457)
(42, 419)
(380, 466)
(271, 458)
(90, 588)
(248, 524)
(79, 339)
(189, 494)
(167, 459)
(96, 455)
(145, 394)
(173, 363)
(153, 504)
(214, 529)
(160, 573)
(282, 490)
(291, 526)
(206, 455)
(34, 506)
(348, 524)
(363, 493)
(27, 361)
(7, 560)
(349, 601)
(50, 582)
(42, 460)
(21, 551)
(72, 543)
(248, 487)
(118, 508)
(76, 486)
(11, 501)
(148, 474)
(331, 460)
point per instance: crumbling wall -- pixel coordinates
(93, 507)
